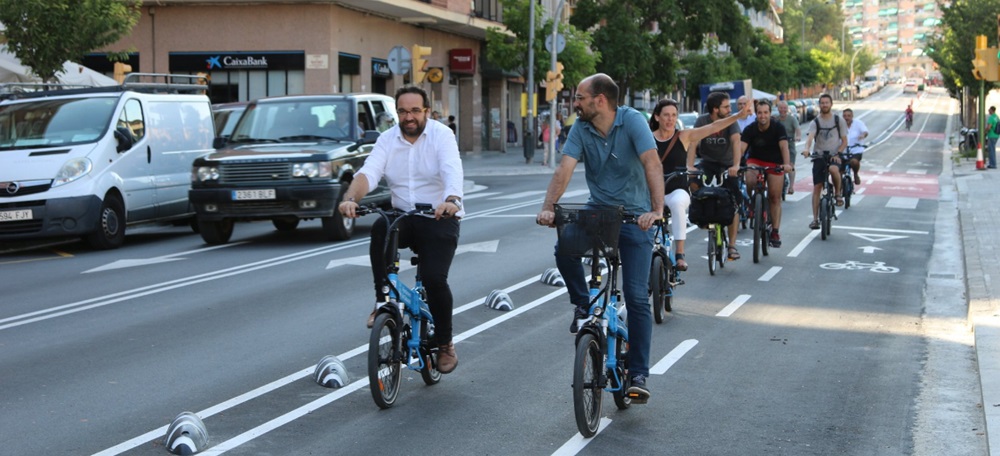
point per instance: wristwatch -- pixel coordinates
(457, 202)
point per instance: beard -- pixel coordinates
(412, 128)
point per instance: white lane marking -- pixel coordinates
(260, 391)
(916, 171)
(472, 196)
(902, 202)
(733, 306)
(769, 274)
(675, 355)
(128, 263)
(884, 230)
(877, 237)
(578, 442)
(803, 243)
(857, 198)
(361, 382)
(798, 196)
(520, 195)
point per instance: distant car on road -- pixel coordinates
(910, 86)
(290, 159)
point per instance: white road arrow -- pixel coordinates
(129, 263)
(869, 249)
(404, 263)
(877, 237)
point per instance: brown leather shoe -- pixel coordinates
(447, 359)
(371, 318)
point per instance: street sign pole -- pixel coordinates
(556, 49)
(529, 129)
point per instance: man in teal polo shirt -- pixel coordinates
(622, 169)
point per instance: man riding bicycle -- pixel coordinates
(909, 115)
(857, 131)
(720, 152)
(768, 144)
(622, 169)
(830, 133)
(421, 163)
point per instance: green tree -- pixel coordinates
(953, 49)
(44, 34)
(509, 49)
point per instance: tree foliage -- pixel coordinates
(43, 34)
(953, 49)
(509, 51)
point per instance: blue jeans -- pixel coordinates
(991, 149)
(635, 248)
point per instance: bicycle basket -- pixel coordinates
(582, 228)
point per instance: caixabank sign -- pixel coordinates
(226, 61)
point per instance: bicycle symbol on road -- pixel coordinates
(852, 265)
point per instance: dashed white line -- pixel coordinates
(769, 274)
(803, 243)
(733, 306)
(578, 442)
(675, 355)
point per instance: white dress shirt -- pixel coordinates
(854, 133)
(742, 123)
(426, 172)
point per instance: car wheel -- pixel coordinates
(338, 227)
(286, 224)
(110, 230)
(216, 231)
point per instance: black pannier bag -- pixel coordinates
(712, 205)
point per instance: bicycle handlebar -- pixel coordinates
(421, 208)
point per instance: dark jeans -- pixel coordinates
(636, 251)
(434, 241)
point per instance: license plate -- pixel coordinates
(10, 216)
(242, 195)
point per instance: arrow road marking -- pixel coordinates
(868, 248)
(128, 263)
(364, 260)
(877, 237)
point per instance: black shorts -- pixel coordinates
(818, 169)
(731, 183)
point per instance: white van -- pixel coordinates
(88, 162)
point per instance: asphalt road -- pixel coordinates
(812, 351)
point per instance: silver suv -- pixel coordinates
(289, 159)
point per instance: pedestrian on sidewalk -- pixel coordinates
(991, 137)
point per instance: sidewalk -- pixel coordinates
(496, 163)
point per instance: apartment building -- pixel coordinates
(896, 31)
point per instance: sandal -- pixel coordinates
(733, 254)
(681, 264)
(840, 201)
(814, 225)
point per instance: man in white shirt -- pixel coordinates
(743, 123)
(857, 131)
(421, 163)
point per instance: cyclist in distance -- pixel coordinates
(794, 131)
(421, 163)
(830, 133)
(621, 169)
(672, 146)
(909, 115)
(768, 145)
(857, 131)
(720, 152)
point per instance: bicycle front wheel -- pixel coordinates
(587, 391)
(384, 358)
(659, 287)
(827, 217)
(712, 240)
(758, 226)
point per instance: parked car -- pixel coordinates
(91, 162)
(290, 159)
(798, 109)
(226, 115)
(687, 119)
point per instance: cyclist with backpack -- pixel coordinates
(720, 152)
(830, 133)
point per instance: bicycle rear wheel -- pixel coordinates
(659, 286)
(384, 360)
(429, 373)
(758, 226)
(587, 391)
(712, 251)
(720, 246)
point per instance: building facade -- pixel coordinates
(896, 31)
(260, 48)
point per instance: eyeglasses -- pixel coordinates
(579, 97)
(413, 112)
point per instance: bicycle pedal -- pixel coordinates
(638, 399)
(678, 282)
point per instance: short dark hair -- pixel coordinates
(602, 84)
(759, 103)
(993, 108)
(826, 95)
(847, 110)
(715, 100)
(413, 89)
(653, 123)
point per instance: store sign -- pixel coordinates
(462, 61)
(223, 61)
(380, 69)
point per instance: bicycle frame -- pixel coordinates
(604, 321)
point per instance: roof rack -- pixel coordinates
(138, 82)
(29, 87)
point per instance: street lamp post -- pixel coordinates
(555, 100)
(529, 129)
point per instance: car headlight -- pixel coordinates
(72, 170)
(205, 173)
(311, 169)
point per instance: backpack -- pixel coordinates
(996, 127)
(711, 205)
(836, 123)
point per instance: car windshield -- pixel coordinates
(286, 121)
(54, 123)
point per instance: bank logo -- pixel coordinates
(213, 62)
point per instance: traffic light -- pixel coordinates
(419, 67)
(121, 70)
(553, 82)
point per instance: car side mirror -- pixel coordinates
(369, 137)
(124, 138)
(220, 141)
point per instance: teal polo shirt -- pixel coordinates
(614, 172)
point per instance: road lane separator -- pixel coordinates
(675, 355)
(733, 306)
(576, 444)
(769, 274)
